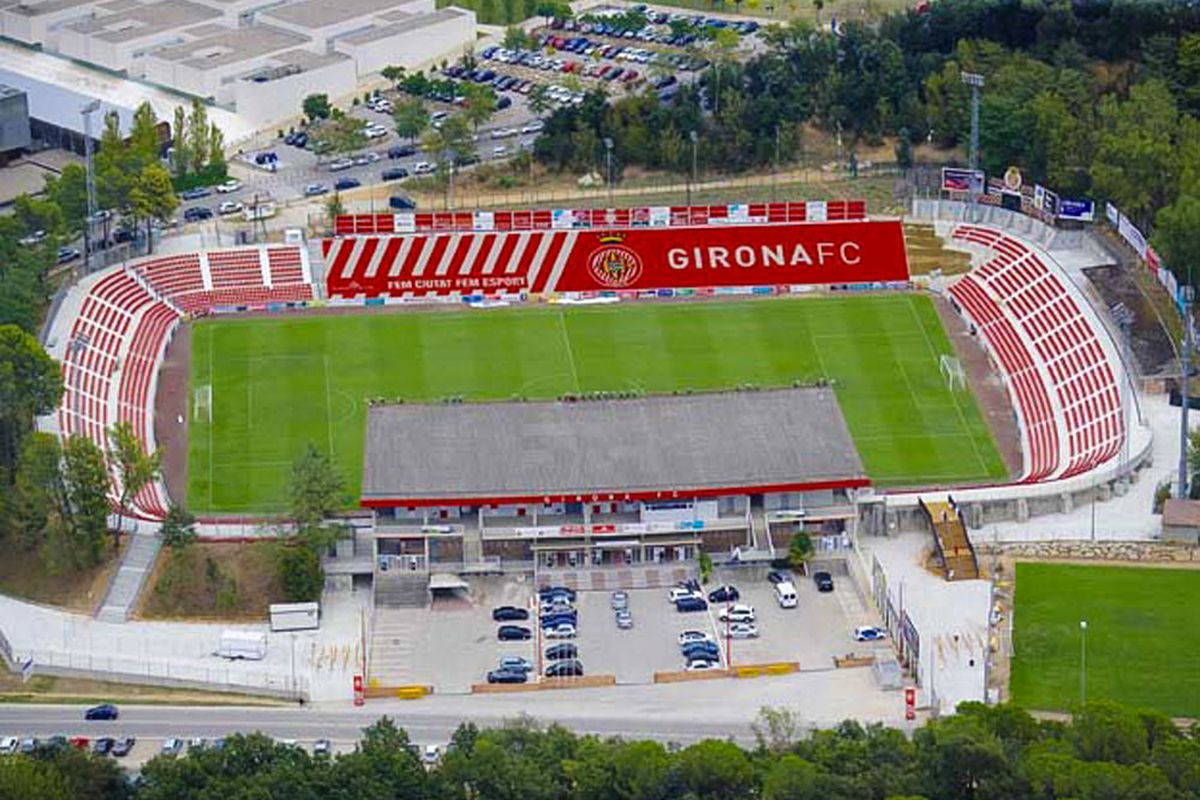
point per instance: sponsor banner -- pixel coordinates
(484, 221)
(815, 210)
(1132, 236)
(404, 223)
(645, 260)
(1113, 214)
(562, 218)
(1080, 210)
(962, 180)
(659, 216)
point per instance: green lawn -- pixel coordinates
(1143, 648)
(279, 383)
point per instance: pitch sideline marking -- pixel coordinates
(562, 323)
(328, 406)
(957, 407)
(212, 455)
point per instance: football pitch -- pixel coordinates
(1141, 649)
(263, 388)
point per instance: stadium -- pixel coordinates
(567, 388)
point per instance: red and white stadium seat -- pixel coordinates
(117, 338)
(1063, 385)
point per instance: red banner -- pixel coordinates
(573, 260)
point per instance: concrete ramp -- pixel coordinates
(953, 545)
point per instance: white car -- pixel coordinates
(339, 164)
(743, 630)
(375, 131)
(432, 754)
(533, 127)
(678, 593)
(231, 185)
(499, 151)
(8, 745)
(737, 613)
(422, 168)
(564, 631)
(171, 747)
(229, 207)
(701, 665)
(689, 637)
(869, 633)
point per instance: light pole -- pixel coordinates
(775, 165)
(1185, 379)
(608, 176)
(975, 81)
(695, 139)
(90, 179)
(1082, 663)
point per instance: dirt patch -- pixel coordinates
(171, 413)
(1150, 342)
(989, 390)
(23, 574)
(213, 581)
(51, 689)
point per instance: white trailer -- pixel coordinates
(295, 617)
(248, 645)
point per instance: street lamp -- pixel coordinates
(1185, 375)
(90, 181)
(1083, 626)
(975, 81)
(695, 137)
(608, 146)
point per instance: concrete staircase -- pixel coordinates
(472, 540)
(394, 639)
(400, 589)
(136, 563)
(950, 539)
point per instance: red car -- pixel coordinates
(80, 742)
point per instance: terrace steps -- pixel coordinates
(953, 545)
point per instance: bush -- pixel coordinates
(300, 573)
(208, 176)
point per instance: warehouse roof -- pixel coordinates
(412, 23)
(643, 448)
(292, 62)
(317, 14)
(218, 46)
(48, 7)
(139, 21)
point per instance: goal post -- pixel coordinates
(952, 372)
(202, 403)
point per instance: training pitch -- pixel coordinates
(1141, 644)
(263, 388)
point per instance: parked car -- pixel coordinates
(106, 711)
(401, 203)
(431, 754)
(619, 601)
(103, 745)
(516, 663)
(688, 637)
(172, 746)
(869, 633)
(401, 151)
(561, 618)
(701, 664)
(692, 649)
(737, 613)
(743, 630)
(322, 748)
(423, 168)
(315, 189)
(8, 745)
(680, 592)
(563, 669)
(66, 254)
(624, 620)
(563, 630)
(27, 745)
(547, 591)
(561, 651)
(533, 127)
(510, 633)
(301, 140)
(339, 164)
(394, 174)
(80, 742)
(724, 594)
(824, 581)
(509, 613)
(229, 186)
(778, 577)
(342, 184)
(691, 603)
(195, 194)
(229, 207)
(123, 745)
(507, 676)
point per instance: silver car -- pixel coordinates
(624, 620)
(620, 601)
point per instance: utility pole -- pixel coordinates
(1083, 626)
(975, 81)
(90, 179)
(1184, 379)
(695, 139)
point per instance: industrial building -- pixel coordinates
(14, 121)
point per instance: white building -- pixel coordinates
(119, 41)
(406, 40)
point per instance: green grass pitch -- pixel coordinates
(279, 383)
(1142, 646)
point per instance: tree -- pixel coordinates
(24, 777)
(216, 149)
(135, 468)
(153, 198)
(480, 105)
(86, 480)
(334, 208)
(539, 99)
(30, 385)
(411, 118)
(1176, 237)
(142, 143)
(715, 770)
(316, 106)
(799, 550)
(68, 191)
(318, 492)
(515, 38)
(792, 778)
(38, 497)
(818, 7)
(341, 134)
(178, 528)
(180, 158)
(393, 73)
(775, 729)
(111, 166)
(197, 136)
(300, 573)
(1136, 158)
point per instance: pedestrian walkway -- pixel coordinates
(126, 584)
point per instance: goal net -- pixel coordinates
(953, 373)
(202, 403)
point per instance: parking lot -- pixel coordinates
(454, 645)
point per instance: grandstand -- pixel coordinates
(113, 328)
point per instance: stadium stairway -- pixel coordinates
(953, 545)
(394, 640)
(400, 589)
(136, 564)
(472, 542)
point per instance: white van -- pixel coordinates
(785, 593)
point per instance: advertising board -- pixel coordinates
(631, 259)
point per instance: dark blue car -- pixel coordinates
(107, 711)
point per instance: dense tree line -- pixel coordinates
(1092, 99)
(982, 752)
